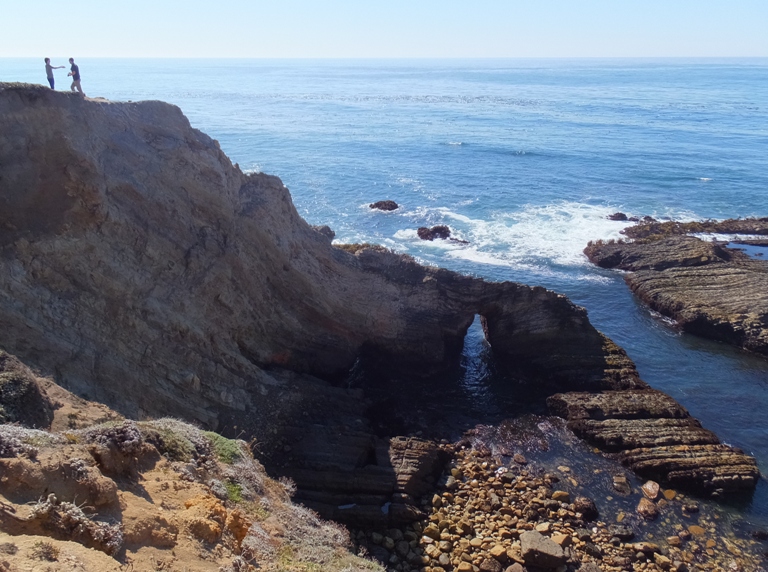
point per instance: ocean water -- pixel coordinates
(524, 159)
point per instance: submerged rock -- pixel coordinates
(651, 489)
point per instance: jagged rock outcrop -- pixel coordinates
(657, 438)
(708, 289)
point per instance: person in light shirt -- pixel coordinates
(49, 71)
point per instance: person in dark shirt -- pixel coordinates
(49, 70)
(75, 73)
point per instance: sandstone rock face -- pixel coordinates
(141, 267)
(708, 289)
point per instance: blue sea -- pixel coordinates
(524, 159)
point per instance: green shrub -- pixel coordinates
(171, 445)
(227, 450)
(234, 492)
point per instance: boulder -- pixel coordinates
(439, 231)
(386, 205)
(538, 550)
(325, 230)
(651, 490)
(647, 509)
(587, 507)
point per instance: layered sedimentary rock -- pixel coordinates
(657, 438)
(708, 289)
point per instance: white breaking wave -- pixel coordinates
(534, 237)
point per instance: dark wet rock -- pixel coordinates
(587, 507)
(593, 550)
(621, 532)
(326, 231)
(379, 553)
(760, 534)
(657, 438)
(538, 550)
(621, 484)
(619, 216)
(439, 231)
(387, 205)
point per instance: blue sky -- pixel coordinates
(384, 29)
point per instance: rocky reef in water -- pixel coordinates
(140, 268)
(705, 286)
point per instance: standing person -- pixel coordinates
(75, 73)
(49, 70)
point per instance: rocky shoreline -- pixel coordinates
(707, 288)
(493, 516)
(141, 269)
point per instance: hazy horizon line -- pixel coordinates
(377, 58)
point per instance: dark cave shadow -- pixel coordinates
(474, 390)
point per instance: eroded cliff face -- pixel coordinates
(144, 269)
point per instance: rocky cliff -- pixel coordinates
(133, 250)
(139, 267)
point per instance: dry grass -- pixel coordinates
(45, 551)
